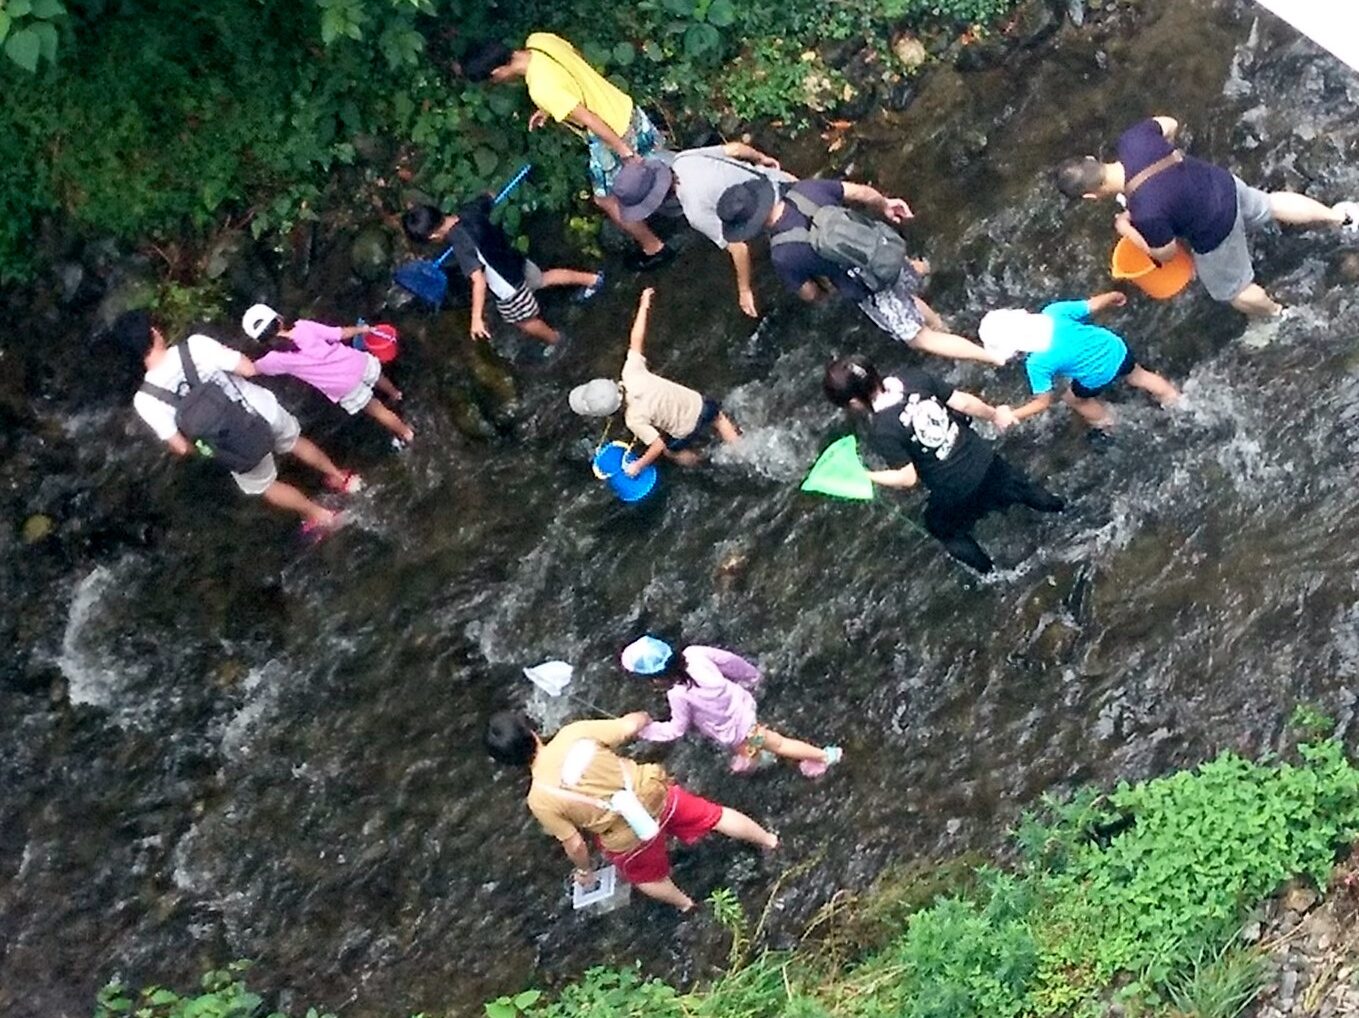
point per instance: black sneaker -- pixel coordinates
(646, 262)
(1099, 440)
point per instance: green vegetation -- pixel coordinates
(163, 121)
(1134, 896)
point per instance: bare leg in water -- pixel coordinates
(792, 749)
(935, 338)
(310, 453)
(379, 412)
(285, 496)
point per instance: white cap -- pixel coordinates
(1011, 330)
(257, 319)
(599, 397)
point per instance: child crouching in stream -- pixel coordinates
(711, 689)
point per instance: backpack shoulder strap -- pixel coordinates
(802, 203)
(797, 235)
(186, 362)
(156, 392)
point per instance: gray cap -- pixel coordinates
(598, 397)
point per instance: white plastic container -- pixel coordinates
(605, 894)
(626, 804)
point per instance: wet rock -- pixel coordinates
(1343, 268)
(131, 285)
(76, 286)
(467, 416)
(493, 377)
(899, 96)
(1034, 22)
(615, 241)
(36, 528)
(1055, 643)
(982, 54)
(909, 51)
(302, 246)
(839, 52)
(235, 260)
(374, 149)
(370, 253)
(1298, 898)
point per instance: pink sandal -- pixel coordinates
(349, 483)
(314, 532)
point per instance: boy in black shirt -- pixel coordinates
(919, 425)
(490, 261)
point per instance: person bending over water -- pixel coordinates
(1059, 342)
(243, 427)
(630, 810)
(670, 419)
(710, 689)
(919, 425)
(1174, 199)
(846, 257)
(318, 355)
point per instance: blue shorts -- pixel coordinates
(711, 408)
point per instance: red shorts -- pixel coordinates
(685, 816)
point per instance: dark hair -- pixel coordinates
(510, 738)
(270, 336)
(1078, 177)
(420, 222)
(675, 670)
(850, 378)
(132, 331)
(484, 58)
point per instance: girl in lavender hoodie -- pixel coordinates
(712, 691)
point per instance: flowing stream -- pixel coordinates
(215, 743)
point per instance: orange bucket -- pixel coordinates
(1159, 281)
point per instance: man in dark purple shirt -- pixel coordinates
(1174, 199)
(757, 206)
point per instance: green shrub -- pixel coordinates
(165, 121)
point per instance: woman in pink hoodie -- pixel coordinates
(712, 691)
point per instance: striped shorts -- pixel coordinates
(522, 305)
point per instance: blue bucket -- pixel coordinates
(609, 466)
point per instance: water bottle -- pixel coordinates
(626, 804)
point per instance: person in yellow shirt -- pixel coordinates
(579, 784)
(567, 89)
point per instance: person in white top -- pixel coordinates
(219, 365)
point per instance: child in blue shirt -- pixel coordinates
(1061, 343)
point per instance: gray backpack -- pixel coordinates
(228, 431)
(869, 249)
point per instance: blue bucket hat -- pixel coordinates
(647, 656)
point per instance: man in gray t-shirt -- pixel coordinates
(697, 178)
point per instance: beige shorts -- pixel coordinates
(361, 395)
(287, 431)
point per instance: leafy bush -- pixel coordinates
(127, 135)
(1142, 889)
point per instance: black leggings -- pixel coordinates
(1002, 485)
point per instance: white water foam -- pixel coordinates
(92, 676)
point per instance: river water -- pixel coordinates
(216, 744)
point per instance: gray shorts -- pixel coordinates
(1226, 270)
(894, 309)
